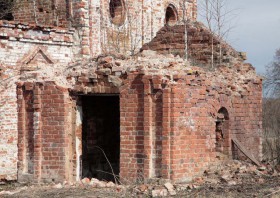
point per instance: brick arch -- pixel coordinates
(171, 15)
(117, 11)
(224, 111)
(222, 102)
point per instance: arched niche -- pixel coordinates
(222, 132)
(171, 15)
(117, 11)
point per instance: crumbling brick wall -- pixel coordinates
(19, 42)
(8, 126)
(24, 48)
(194, 115)
(43, 140)
(42, 12)
(167, 118)
(141, 21)
(97, 30)
(199, 45)
(167, 121)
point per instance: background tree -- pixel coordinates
(272, 77)
(271, 111)
(271, 128)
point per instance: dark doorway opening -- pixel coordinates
(222, 132)
(101, 136)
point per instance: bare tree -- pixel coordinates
(271, 128)
(272, 77)
(271, 111)
(135, 32)
(207, 14)
(185, 8)
(223, 17)
(125, 37)
(219, 21)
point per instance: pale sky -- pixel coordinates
(257, 30)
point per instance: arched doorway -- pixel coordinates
(171, 15)
(222, 132)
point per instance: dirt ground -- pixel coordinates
(249, 188)
(270, 187)
(234, 179)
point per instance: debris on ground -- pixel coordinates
(231, 179)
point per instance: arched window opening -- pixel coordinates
(222, 132)
(117, 12)
(171, 16)
(6, 10)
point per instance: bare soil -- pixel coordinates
(232, 179)
(250, 187)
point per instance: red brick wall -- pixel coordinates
(184, 125)
(48, 13)
(194, 107)
(171, 40)
(8, 131)
(92, 19)
(21, 47)
(167, 127)
(143, 19)
(132, 129)
(43, 138)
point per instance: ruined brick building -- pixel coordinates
(70, 92)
